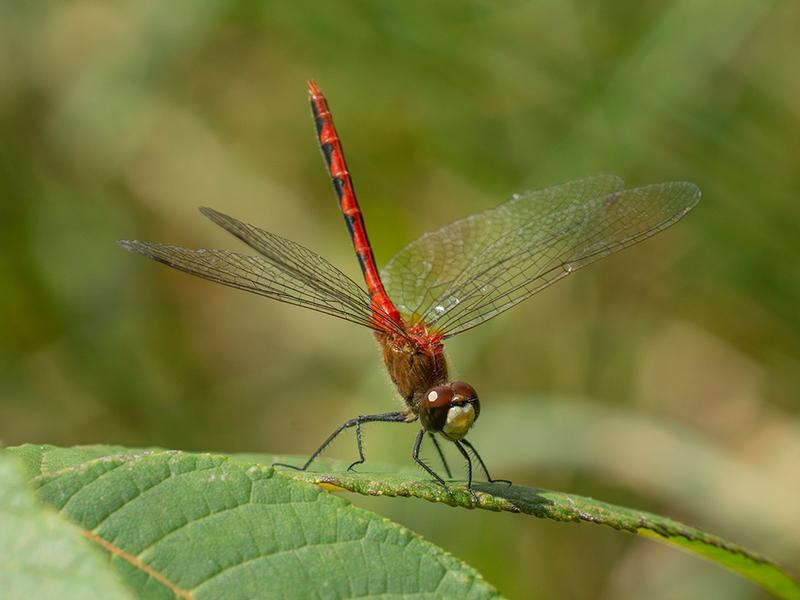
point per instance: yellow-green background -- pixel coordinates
(665, 378)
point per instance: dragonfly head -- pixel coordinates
(450, 409)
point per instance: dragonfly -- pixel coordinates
(446, 282)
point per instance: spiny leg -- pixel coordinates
(483, 464)
(360, 447)
(466, 456)
(392, 417)
(441, 454)
(421, 463)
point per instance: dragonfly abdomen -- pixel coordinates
(353, 218)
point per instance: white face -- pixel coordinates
(459, 420)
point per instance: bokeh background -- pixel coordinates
(666, 377)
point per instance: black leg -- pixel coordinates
(483, 464)
(415, 456)
(393, 417)
(441, 454)
(360, 447)
(466, 456)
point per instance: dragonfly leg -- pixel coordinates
(441, 454)
(360, 446)
(483, 464)
(392, 417)
(421, 463)
(466, 456)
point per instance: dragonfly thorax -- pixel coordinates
(450, 409)
(414, 368)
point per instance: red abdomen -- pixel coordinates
(332, 151)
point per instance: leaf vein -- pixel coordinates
(270, 556)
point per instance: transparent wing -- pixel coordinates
(287, 272)
(474, 269)
(306, 266)
(426, 277)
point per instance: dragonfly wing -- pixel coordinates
(477, 268)
(424, 277)
(260, 276)
(304, 265)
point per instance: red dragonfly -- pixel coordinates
(440, 285)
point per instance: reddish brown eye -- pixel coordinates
(435, 409)
(464, 390)
(441, 395)
(434, 406)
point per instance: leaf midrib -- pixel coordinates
(135, 562)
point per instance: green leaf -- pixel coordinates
(41, 554)
(190, 519)
(208, 526)
(559, 506)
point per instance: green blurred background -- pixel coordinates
(666, 377)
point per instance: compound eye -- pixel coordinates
(439, 396)
(464, 390)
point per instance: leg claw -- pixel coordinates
(506, 481)
(277, 464)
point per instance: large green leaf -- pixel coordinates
(41, 554)
(208, 526)
(207, 523)
(559, 506)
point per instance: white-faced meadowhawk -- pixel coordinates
(440, 285)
